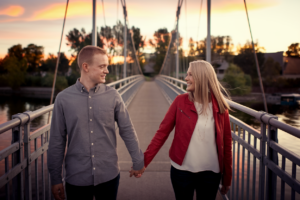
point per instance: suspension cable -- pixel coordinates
(103, 13)
(58, 57)
(199, 20)
(256, 60)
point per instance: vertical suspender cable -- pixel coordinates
(94, 35)
(256, 61)
(208, 47)
(57, 61)
(199, 20)
(103, 13)
(186, 30)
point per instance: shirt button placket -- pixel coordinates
(90, 111)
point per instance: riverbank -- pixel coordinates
(32, 92)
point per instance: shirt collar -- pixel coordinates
(81, 88)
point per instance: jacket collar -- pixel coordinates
(192, 106)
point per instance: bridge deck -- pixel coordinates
(147, 110)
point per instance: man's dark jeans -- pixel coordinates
(205, 183)
(105, 191)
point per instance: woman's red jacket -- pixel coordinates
(183, 115)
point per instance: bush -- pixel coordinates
(239, 83)
(32, 81)
(61, 82)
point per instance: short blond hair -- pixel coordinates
(206, 81)
(86, 54)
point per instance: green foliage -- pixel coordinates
(245, 59)
(270, 69)
(16, 70)
(49, 64)
(32, 81)
(161, 43)
(239, 83)
(61, 82)
(33, 54)
(221, 47)
(79, 39)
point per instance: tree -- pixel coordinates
(33, 55)
(16, 51)
(246, 61)
(239, 82)
(16, 70)
(79, 39)
(50, 63)
(270, 68)
(161, 43)
(221, 48)
(293, 50)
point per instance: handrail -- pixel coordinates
(23, 118)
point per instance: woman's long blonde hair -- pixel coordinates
(205, 82)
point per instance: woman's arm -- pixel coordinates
(162, 133)
(227, 151)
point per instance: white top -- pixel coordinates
(202, 151)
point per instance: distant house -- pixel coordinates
(220, 67)
(291, 67)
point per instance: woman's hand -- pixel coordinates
(137, 173)
(224, 189)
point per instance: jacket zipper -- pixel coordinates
(184, 113)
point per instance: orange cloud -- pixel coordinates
(231, 7)
(13, 11)
(75, 9)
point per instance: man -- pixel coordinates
(84, 115)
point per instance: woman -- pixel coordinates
(201, 150)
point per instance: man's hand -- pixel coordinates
(58, 191)
(224, 189)
(137, 173)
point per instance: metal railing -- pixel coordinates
(23, 155)
(266, 152)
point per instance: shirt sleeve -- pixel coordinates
(162, 134)
(57, 143)
(128, 134)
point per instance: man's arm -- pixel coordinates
(128, 134)
(57, 143)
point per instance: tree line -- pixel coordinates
(27, 66)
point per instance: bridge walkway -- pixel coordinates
(147, 110)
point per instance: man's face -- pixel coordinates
(98, 68)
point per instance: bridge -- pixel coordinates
(260, 162)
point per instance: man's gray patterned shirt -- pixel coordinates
(86, 120)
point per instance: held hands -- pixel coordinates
(137, 173)
(224, 189)
(58, 191)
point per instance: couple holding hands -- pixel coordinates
(84, 117)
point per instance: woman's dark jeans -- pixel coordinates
(205, 183)
(106, 191)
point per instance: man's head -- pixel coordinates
(93, 63)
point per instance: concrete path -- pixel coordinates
(147, 110)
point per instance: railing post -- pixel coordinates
(261, 189)
(27, 154)
(17, 157)
(272, 156)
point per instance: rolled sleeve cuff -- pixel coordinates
(56, 180)
(138, 165)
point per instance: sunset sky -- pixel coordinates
(275, 23)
